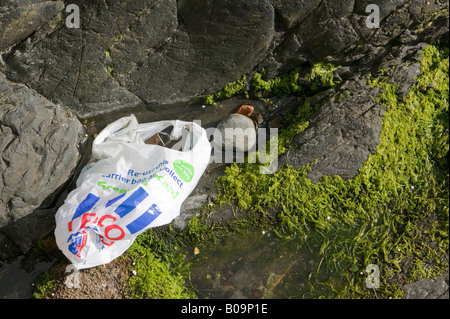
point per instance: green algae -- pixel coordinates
(394, 214)
(286, 84)
(157, 275)
(43, 286)
(231, 89)
(320, 77)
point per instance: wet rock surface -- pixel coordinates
(436, 288)
(19, 19)
(341, 135)
(129, 54)
(345, 130)
(38, 154)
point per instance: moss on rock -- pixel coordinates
(393, 214)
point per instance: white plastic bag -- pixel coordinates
(129, 187)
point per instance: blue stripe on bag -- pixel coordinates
(86, 205)
(131, 202)
(144, 220)
(112, 201)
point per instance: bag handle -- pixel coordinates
(128, 130)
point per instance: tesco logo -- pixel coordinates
(105, 225)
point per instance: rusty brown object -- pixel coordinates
(245, 109)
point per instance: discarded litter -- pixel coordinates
(245, 109)
(128, 187)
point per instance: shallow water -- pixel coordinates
(253, 265)
(16, 282)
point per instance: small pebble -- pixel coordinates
(242, 124)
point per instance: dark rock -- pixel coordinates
(336, 31)
(38, 153)
(341, 134)
(293, 12)
(435, 288)
(274, 122)
(18, 19)
(129, 53)
(8, 249)
(25, 231)
(190, 207)
(346, 128)
(386, 6)
(133, 54)
(257, 118)
(405, 74)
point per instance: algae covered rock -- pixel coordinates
(146, 53)
(131, 53)
(341, 134)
